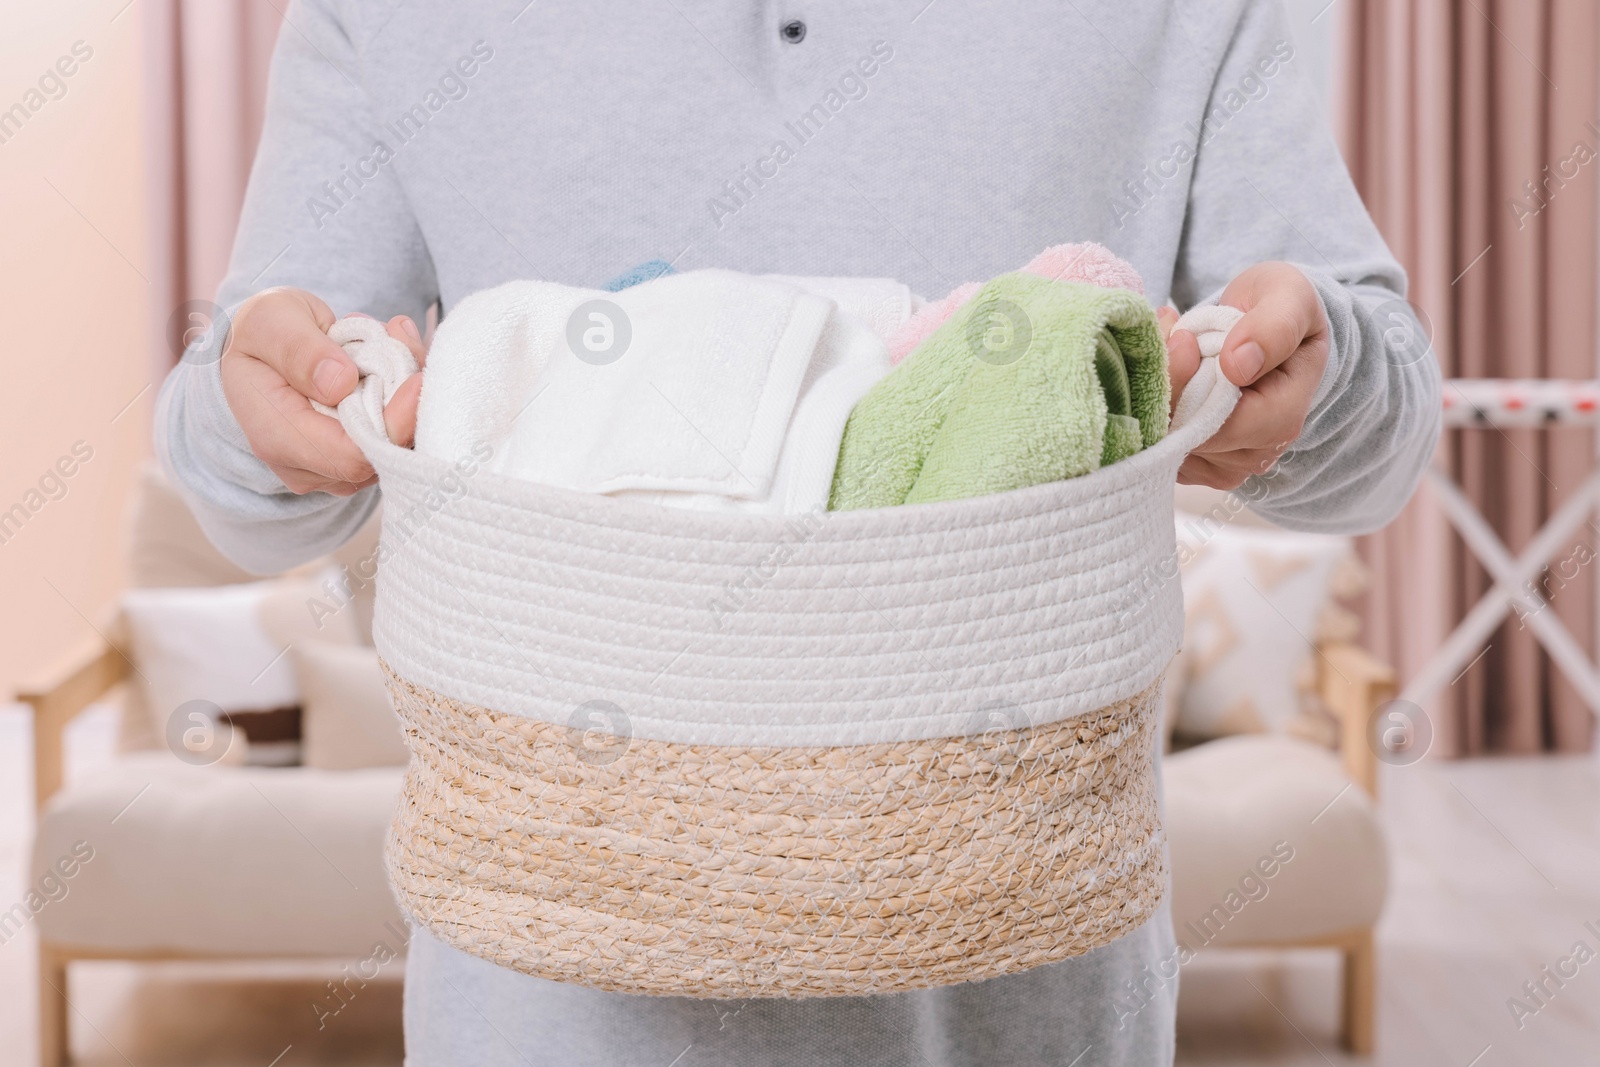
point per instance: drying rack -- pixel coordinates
(1501, 404)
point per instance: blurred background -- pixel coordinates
(1447, 904)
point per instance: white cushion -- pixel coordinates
(1254, 604)
(210, 645)
(221, 860)
(221, 650)
(1261, 850)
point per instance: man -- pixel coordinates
(414, 153)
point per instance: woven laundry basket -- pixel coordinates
(672, 752)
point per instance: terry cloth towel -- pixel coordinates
(1032, 381)
(884, 304)
(1086, 262)
(709, 389)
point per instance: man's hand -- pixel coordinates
(278, 355)
(1276, 355)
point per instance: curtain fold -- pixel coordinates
(205, 93)
(1470, 127)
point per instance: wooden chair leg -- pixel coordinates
(1360, 993)
(52, 1006)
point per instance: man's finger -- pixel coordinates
(1281, 309)
(1166, 318)
(1198, 470)
(290, 336)
(402, 328)
(314, 442)
(1270, 414)
(302, 482)
(291, 432)
(1183, 362)
(400, 416)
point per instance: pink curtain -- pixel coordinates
(205, 91)
(1449, 109)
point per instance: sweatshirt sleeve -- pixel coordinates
(323, 212)
(1269, 184)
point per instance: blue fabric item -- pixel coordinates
(644, 272)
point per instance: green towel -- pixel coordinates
(1032, 381)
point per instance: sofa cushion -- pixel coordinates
(165, 548)
(220, 860)
(1255, 603)
(1262, 851)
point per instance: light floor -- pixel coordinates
(1496, 871)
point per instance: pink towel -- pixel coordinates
(1086, 262)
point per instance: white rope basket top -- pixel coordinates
(841, 628)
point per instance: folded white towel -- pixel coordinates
(710, 389)
(882, 304)
(848, 361)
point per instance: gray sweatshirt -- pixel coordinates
(415, 153)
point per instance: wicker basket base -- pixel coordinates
(732, 872)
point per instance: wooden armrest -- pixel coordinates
(57, 697)
(1354, 683)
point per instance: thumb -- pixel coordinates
(1183, 352)
(1281, 309)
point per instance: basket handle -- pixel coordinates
(384, 364)
(1209, 398)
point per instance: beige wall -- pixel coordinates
(72, 262)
